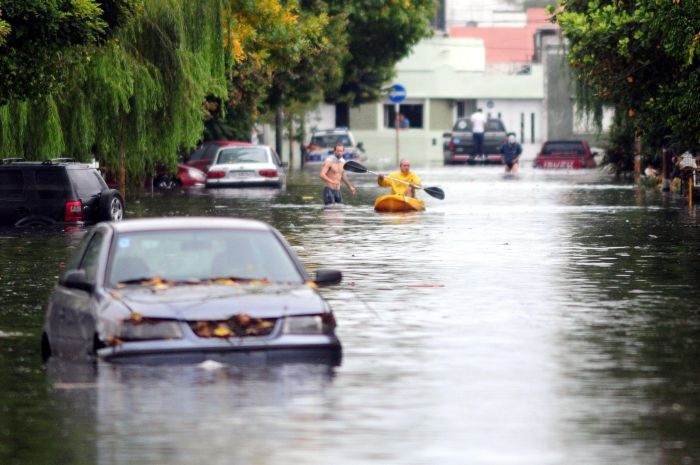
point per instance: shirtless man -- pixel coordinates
(332, 173)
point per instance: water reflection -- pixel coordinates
(232, 414)
(548, 319)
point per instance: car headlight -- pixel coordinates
(197, 175)
(149, 329)
(303, 324)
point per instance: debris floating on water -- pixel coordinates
(210, 365)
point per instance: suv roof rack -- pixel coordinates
(7, 161)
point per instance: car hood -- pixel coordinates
(214, 301)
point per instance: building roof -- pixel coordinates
(508, 44)
(454, 69)
(460, 54)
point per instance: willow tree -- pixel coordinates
(142, 95)
(41, 43)
(41, 40)
(137, 99)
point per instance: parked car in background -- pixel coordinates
(566, 154)
(186, 176)
(56, 192)
(323, 142)
(205, 154)
(248, 165)
(189, 289)
(459, 145)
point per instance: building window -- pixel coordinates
(412, 112)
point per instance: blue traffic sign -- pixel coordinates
(397, 93)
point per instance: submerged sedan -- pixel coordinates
(253, 165)
(189, 289)
(565, 154)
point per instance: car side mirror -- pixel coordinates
(326, 277)
(77, 279)
(446, 134)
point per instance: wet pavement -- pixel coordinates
(550, 318)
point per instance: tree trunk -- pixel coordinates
(291, 142)
(279, 130)
(637, 157)
(121, 174)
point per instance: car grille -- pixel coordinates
(240, 325)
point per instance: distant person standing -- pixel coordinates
(404, 123)
(332, 174)
(511, 152)
(478, 119)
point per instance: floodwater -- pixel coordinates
(550, 318)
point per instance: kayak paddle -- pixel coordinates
(355, 167)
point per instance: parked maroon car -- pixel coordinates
(566, 154)
(186, 176)
(203, 157)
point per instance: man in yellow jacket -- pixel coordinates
(405, 174)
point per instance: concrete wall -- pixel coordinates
(364, 117)
(560, 121)
(518, 116)
(441, 114)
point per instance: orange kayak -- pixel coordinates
(398, 203)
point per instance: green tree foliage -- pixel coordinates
(146, 75)
(137, 100)
(282, 54)
(380, 33)
(643, 59)
(41, 40)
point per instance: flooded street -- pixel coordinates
(550, 318)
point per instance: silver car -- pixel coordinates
(253, 165)
(189, 289)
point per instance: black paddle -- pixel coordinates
(355, 167)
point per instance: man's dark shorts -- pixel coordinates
(331, 196)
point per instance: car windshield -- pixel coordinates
(563, 148)
(329, 140)
(242, 155)
(199, 255)
(492, 125)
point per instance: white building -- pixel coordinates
(444, 79)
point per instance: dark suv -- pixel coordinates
(55, 192)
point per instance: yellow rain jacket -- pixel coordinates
(400, 188)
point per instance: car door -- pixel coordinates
(75, 308)
(13, 196)
(52, 189)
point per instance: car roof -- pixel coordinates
(570, 141)
(186, 222)
(48, 164)
(331, 131)
(226, 142)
